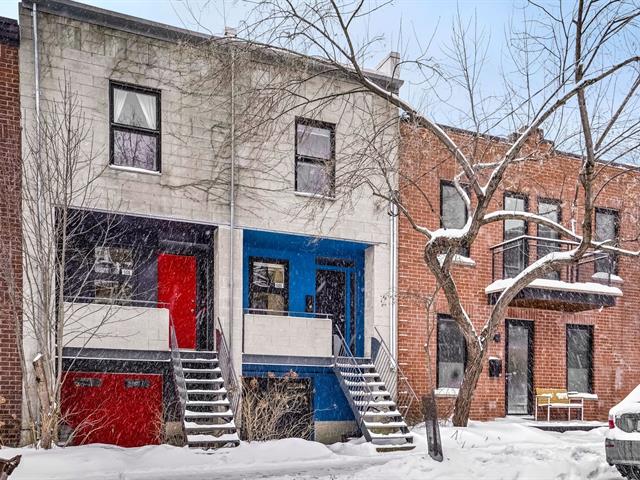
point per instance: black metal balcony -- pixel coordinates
(588, 284)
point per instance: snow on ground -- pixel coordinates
(483, 451)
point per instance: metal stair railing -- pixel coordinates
(178, 373)
(231, 380)
(359, 398)
(394, 379)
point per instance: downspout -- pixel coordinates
(232, 192)
(393, 280)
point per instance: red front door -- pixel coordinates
(177, 290)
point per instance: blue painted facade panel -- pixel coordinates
(301, 253)
(329, 402)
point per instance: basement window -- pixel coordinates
(315, 158)
(135, 127)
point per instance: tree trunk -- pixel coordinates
(48, 415)
(465, 395)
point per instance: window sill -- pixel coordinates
(314, 195)
(144, 171)
(444, 392)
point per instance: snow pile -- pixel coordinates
(483, 451)
(549, 284)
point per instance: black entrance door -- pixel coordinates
(519, 371)
(331, 297)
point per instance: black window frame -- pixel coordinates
(448, 318)
(616, 226)
(113, 126)
(320, 161)
(525, 253)
(253, 289)
(555, 275)
(588, 328)
(464, 250)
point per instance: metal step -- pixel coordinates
(391, 436)
(395, 448)
(372, 393)
(193, 427)
(208, 403)
(375, 404)
(360, 375)
(204, 380)
(204, 440)
(219, 391)
(390, 413)
(377, 425)
(193, 414)
(202, 370)
(364, 384)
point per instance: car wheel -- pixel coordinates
(632, 472)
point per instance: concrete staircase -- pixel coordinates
(208, 418)
(372, 404)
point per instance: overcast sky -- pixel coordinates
(415, 21)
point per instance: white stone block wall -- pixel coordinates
(94, 325)
(287, 336)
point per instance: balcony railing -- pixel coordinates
(511, 257)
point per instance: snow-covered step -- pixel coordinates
(204, 380)
(395, 447)
(373, 393)
(201, 438)
(390, 413)
(208, 427)
(364, 384)
(195, 391)
(193, 414)
(385, 424)
(375, 404)
(202, 370)
(347, 366)
(391, 436)
(199, 360)
(360, 375)
(208, 403)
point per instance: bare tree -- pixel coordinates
(575, 72)
(58, 172)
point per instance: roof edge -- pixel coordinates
(9, 32)
(162, 31)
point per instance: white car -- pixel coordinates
(622, 443)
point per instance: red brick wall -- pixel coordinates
(551, 175)
(10, 235)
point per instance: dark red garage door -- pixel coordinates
(116, 408)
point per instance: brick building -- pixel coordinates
(10, 234)
(574, 329)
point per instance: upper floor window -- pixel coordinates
(550, 209)
(607, 227)
(516, 254)
(453, 210)
(135, 127)
(315, 157)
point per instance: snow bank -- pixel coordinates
(497, 450)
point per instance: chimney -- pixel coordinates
(230, 32)
(389, 66)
